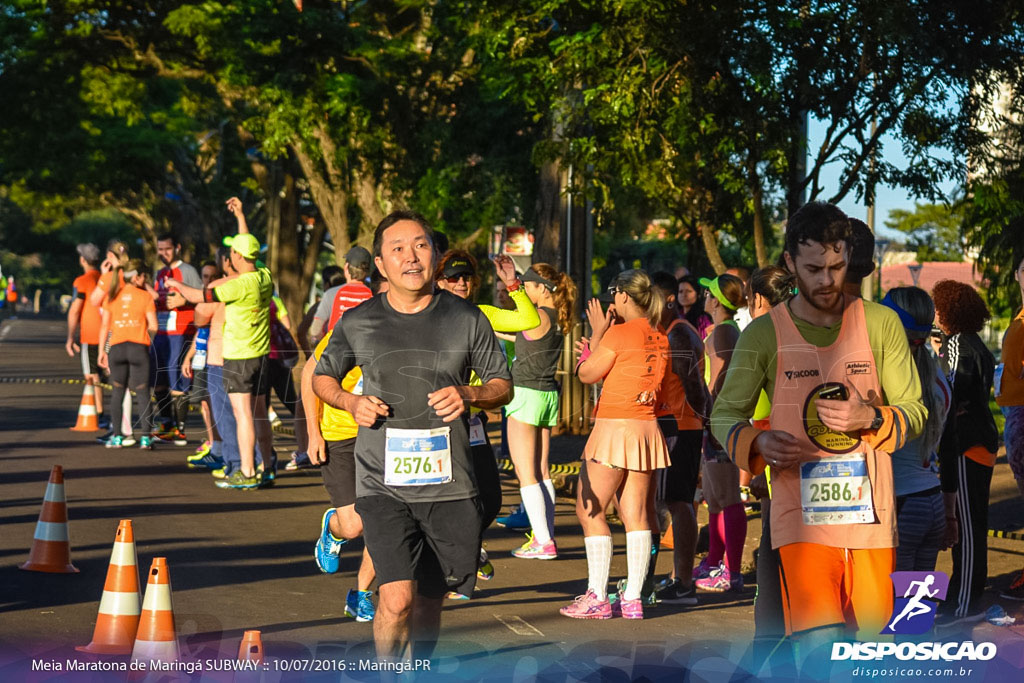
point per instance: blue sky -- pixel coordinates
(887, 198)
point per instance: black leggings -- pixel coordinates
(129, 362)
(488, 481)
(283, 384)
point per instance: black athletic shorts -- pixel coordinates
(435, 544)
(246, 376)
(339, 472)
(677, 483)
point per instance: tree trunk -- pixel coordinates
(371, 208)
(551, 205)
(332, 200)
(291, 266)
(756, 195)
(708, 237)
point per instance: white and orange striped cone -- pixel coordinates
(51, 549)
(120, 607)
(156, 639)
(251, 648)
(88, 421)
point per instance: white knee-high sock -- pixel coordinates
(533, 501)
(638, 556)
(599, 564)
(549, 489)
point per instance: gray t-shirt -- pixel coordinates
(404, 357)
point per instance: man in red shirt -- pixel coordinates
(84, 320)
(173, 338)
(339, 299)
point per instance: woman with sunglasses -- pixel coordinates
(457, 273)
(533, 410)
(625, 447)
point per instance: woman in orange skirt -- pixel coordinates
(625, 446)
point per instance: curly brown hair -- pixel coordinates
(958, 307)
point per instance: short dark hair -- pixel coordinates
(666, 282)
(816, 222)
(395, 217)
(168, 237)
(862, 251)
(223, 253)
(332, 276)
(209, 264)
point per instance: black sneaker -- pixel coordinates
(102, 440)
(1016, 589)
(677, 594)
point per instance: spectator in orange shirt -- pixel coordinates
(84, 322)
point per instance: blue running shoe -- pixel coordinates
(516, 520)
(208, 461)
(359, 604)
(328, 548)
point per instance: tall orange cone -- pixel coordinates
(120, 606)
(87, 418)
(251, 649)
(51, 549)
(156, 639)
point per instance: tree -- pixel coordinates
(933, 230)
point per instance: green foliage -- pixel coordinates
(933, 230)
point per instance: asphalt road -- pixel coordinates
(243, 560)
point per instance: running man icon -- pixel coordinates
(920, 590)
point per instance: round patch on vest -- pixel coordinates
(820, 435)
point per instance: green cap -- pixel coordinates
(716, 290)
(246, 245)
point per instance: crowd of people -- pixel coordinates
(862, 427)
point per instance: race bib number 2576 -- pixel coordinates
(417, 457)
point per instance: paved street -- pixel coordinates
(243, 559)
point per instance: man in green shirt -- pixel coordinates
(246, 296)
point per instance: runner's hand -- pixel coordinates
(851, 415)
(317, 449)
(951, 535)
(505, 268)
(72, 347)
(174, 299)
(101, 360)
(582, 346)
(779, 449)
(234, 205)
(447, 403)
(759, 486)
(186, 369)
(369, 409)
(599, 320)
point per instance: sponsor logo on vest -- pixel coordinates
(858, 368)
(816, 430)
(797, 374)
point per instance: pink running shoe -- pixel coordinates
(630, 609)
(587, 606)
(721, 580)
(702, 570)
(533, 550)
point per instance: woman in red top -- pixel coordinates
(625, 446)
(129, 317)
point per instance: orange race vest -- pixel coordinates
(842, 495)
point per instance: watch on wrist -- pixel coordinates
(879, 419)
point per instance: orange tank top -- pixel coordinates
(841, 495)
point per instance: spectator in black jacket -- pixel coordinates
(967, 451)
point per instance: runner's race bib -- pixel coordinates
(417, 457)
(997, 380)
(167, 321)
(836, 490)
(477, 434)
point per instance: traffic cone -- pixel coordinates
(87, 419)
(251, 649)
(120, 606)
(156, 639)
(51, 550)
(667, 540)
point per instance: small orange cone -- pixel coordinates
(667, 540)
(156, 639)
(51, 550)
(87, 418)
(251, 649)
(120, 606)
